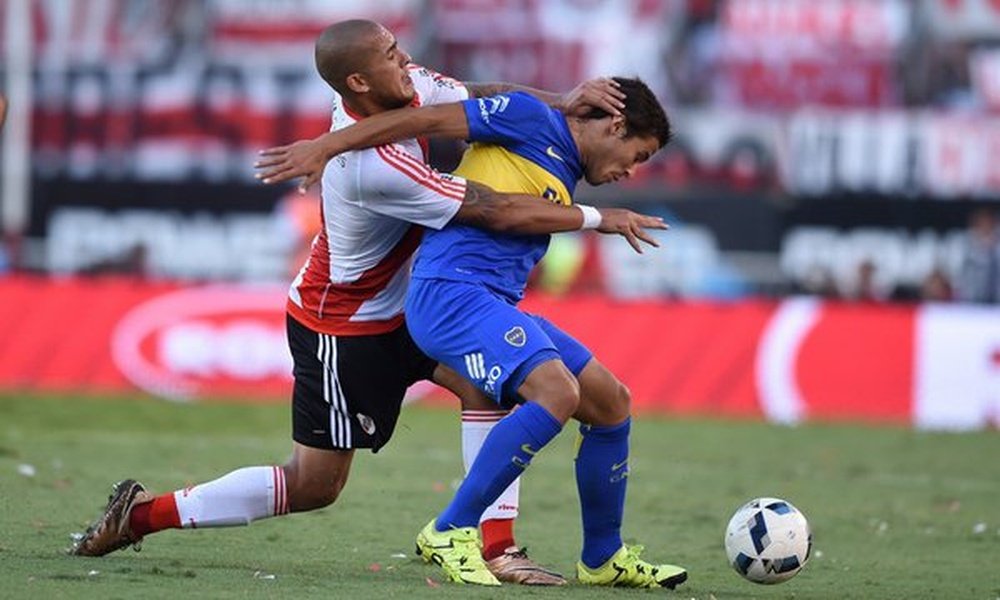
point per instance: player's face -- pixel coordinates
(616, 157)
(386, 72)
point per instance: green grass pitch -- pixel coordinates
(895, 513)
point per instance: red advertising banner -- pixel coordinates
(781, 54)
(933, 366)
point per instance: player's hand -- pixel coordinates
(304, 158)
(603, 93)
(630, 225)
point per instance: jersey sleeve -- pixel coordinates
(397, 184)
(435, 88)
(505, 118)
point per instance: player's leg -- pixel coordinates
(479, 415)
(324, 435)
(602, 461)
(312, 479)
(602, 455)
(496, 347)
(508, 561)
(602, 472)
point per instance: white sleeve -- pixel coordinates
(395, 183)
(435, 88)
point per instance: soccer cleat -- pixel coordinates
(514, 566)
(111, 530)
(626, 569)
(457, 551)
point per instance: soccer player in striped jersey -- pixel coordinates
(353, 358)
(461, 310)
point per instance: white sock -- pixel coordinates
(476, 425)
(237, 498)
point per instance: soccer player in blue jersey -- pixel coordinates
(462, 310)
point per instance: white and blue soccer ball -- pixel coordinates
(768, 540)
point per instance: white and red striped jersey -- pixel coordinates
(375, 205)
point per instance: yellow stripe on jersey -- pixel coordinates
(505, 171)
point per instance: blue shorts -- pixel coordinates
(484, 337)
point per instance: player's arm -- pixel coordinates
(529, 215)
(603, 93)
(398, 185)
(306, 158)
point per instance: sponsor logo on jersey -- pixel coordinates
(492, 105)
(552, 152)
(367, 424)
(490, 385)
(516, 336)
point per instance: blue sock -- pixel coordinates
(505, 453)
(601, 477)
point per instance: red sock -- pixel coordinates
(498, 535)
(157, 515)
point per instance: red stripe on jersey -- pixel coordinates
(317, 275)
(420, 167)
(332, 305)
(421, 174)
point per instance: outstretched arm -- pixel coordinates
(307, 158)
(603, 93)
(528, 215)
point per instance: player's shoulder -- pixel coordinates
(517, 108)
(427, 77)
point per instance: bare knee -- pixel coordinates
(310, 491)
(622, 406)
(554, 387)
(606, 401)
(315, 478)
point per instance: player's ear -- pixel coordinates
(618, 128)
(356, 83)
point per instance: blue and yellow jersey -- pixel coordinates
(520, 145)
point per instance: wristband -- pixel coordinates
(591, 217)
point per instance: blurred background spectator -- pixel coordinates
(979, 279)
(827, 147)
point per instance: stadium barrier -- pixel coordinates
(932, 366)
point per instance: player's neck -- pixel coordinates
(359, 108)
(578, 132)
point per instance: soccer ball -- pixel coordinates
(768, 540)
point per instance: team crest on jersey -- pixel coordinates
(516, 336)
(367, 424)
(551, 194)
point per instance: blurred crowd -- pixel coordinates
(775, 103)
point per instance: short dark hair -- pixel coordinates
(342, 49)
(644, 115)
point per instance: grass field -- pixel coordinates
(895, 513)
